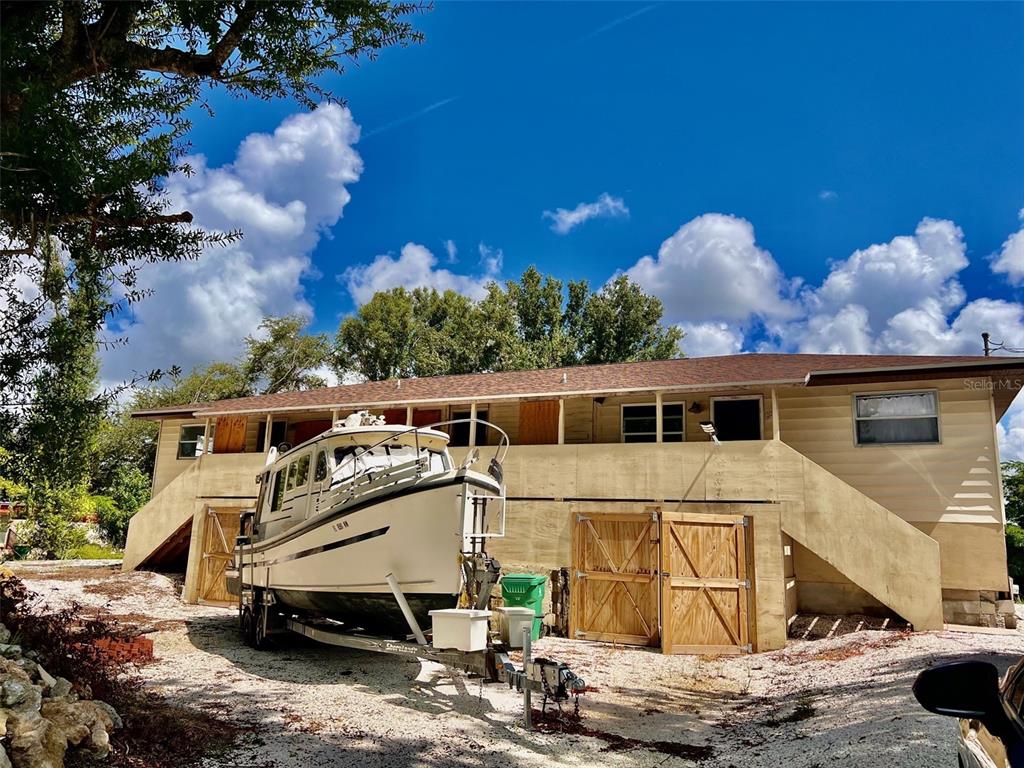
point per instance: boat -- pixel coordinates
(366, 523)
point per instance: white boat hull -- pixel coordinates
(336, 563)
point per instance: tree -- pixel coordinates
(526, 324)
(615, 325)
(286, 358)
(93, 111)
(1013, 493)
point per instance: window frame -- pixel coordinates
(760, 409)
(622, 421)
(195, 453)
(854, 418)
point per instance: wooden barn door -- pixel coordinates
(615, 585)
(705, 587)
(219, 531)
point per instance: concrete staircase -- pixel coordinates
(878, 551)
(163, 517)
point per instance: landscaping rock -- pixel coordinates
(9, 651)
(5, 761)
(5, 634)
(61, 689)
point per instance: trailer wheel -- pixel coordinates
(260, 640)
(246, 626)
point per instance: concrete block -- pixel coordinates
(987, 596)
(1004, 606)
(962, 606)
(960, 594)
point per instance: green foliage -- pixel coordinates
(112, 520)
(96, 552)
(283, 360)
(1015, 552)
(526, 324)
(93, 114)
(55, 535)
(129, 489)
(1013, 491)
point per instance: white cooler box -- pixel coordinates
(513, 619)
(464, 629)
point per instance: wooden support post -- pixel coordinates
(561, 421)
(658, 428)
(472, 425)
(334, 416)
(207, 442)
(776, 422)
(408, 415)
(267, 433)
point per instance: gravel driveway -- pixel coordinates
(843, 701)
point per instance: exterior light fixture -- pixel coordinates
(709, 428)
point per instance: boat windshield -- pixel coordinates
(353, 460)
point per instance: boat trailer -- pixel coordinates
(553, 680)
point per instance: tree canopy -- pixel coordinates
(527, 323)
(93, 115)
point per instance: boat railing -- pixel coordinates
(373, 477)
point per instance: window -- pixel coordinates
(278, 497)
(292, 469)
(302, 471)
(191, 442)
(904, 417)
(640, 423)
(321, 467)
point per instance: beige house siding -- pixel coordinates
(949, 490)
(168, 465)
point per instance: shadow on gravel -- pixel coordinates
(295, 660)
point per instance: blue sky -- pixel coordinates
(805, 177)
(903, 111)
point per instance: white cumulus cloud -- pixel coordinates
(1010, 259)
(416, 267)
(283, 190)
(712, 269)
(564, 220)
(711, 338)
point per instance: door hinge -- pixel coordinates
(580, 634)
(581, 519)
(581, 574)
(748, 648)
(746, 583)
(745, 521)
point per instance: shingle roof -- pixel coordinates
(588, 379)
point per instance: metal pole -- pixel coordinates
(527, 650)
(406, 610)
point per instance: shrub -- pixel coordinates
(129, 489)
(57, 536)
(113, 520)
(1015, 552)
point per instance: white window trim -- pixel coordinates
(881, 393)
(622, 419)
(177, 444)
(760, 409)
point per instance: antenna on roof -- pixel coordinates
(984, 340)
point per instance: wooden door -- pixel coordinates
(705, 588)
(394, 415)
(219, 531)
(614, 594)
(307, 430)
(423, 416)
(538, 422)
(229, 436)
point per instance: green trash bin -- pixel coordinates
(527, 590)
